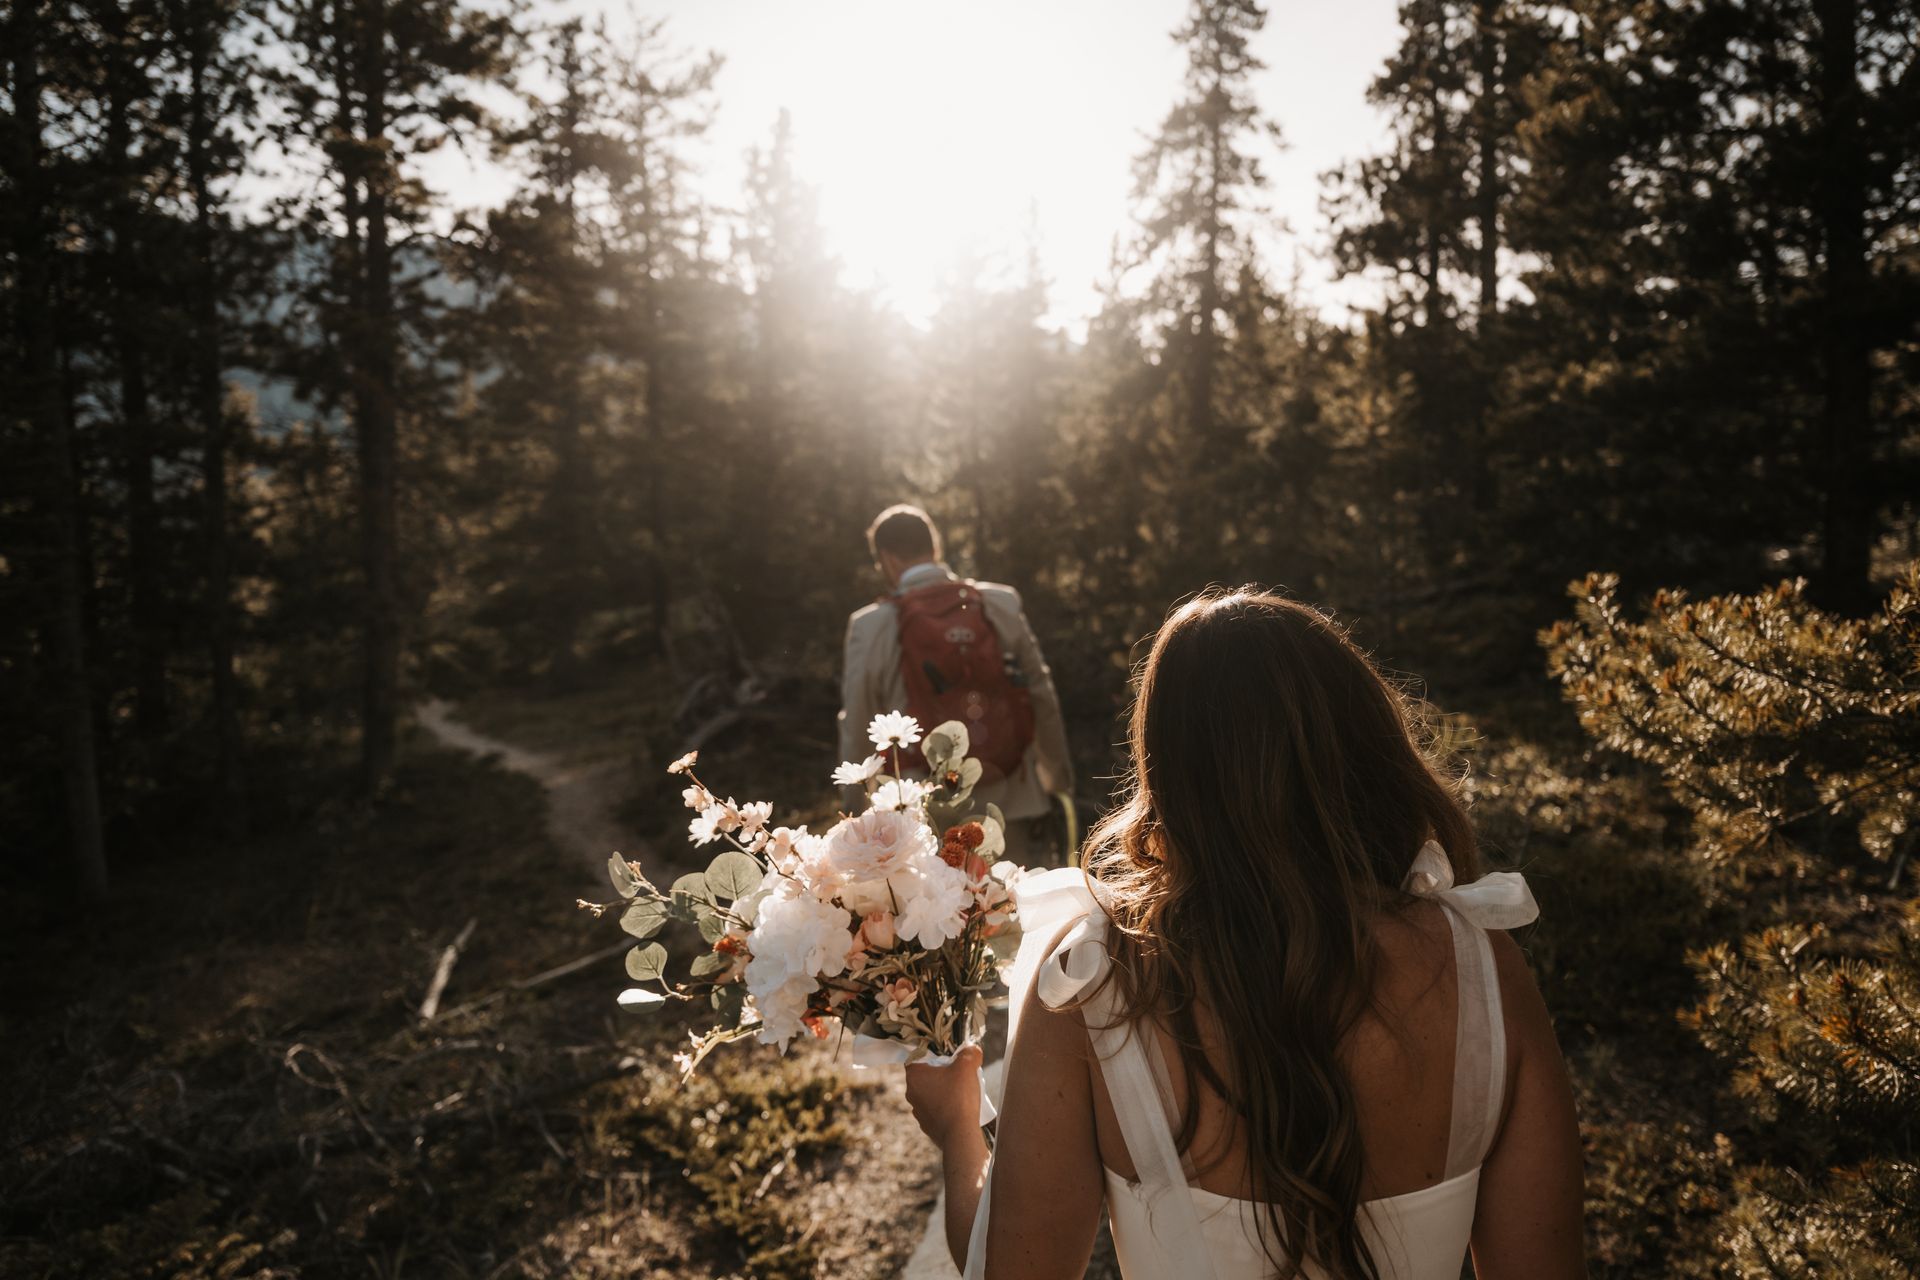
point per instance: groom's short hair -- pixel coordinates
(905, 531)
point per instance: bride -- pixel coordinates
(1274, 1026)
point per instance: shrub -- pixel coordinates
(1792, 737)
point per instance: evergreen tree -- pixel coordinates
(538, 340)
(213, 104)
(1199, 183)
(40, 426)
(1792, 735)
(664, 294)
(1429, 220)
(370, 85)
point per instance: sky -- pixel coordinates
(931, 130)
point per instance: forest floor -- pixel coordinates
(224, 1072)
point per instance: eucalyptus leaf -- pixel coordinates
(640, 999)
(970, 771)
(956, 730)
(943, 815)
(995, 842)
(644, 964)
(734, 875)
(707, 965)
(729, 1002)
(690, 893)
(643, 919)
(1004, 945)
(622, 876)
(712, 924)
(946, 745)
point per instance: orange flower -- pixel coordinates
(957, 846)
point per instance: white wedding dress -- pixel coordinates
(1162, 1226)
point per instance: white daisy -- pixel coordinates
(857, 775)
(893, 728)
(902, 793)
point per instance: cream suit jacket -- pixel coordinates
(871, 683)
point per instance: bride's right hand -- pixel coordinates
(946, 1100)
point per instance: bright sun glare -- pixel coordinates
(942, 138)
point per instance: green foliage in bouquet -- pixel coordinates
(1792, 737)
(894, 923)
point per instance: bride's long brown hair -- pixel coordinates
(1277, 797)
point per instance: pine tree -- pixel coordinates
(127, 42)
(1429, 219)
(1199, 184)
(1792, 736)
(663, 284)
(538, 334)
(213, 101)
(1710, 210)
(43, 414)
(370, 85)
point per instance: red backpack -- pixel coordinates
(956, 669)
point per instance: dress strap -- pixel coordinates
(1497, 901)
(1073, 969)
(1139, 1104)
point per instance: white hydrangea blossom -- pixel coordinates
(935, 905)
(796, 940)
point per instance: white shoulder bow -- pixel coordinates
(1498, 900)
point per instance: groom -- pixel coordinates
(940, 647)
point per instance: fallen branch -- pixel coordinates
(539, 979)
(442, 974)
(312, 1147)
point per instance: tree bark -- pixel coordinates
(1846, 345)
(1487, 194)
(201, 32)
(377, 430)
(129, 300)
(39, 385)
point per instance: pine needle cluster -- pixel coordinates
(1792, 736)
(1770, 718)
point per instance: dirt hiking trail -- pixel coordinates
(581, 799)
(581, 804)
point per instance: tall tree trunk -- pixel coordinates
(1486, 57)
(659, 592)
(376, 425)
(1846, 345)
(130, 297)
(39, 386)
(209, 397)
(1487, 194)
(1207, 336)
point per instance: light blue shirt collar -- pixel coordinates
(924, 574)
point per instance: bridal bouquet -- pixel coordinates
(893, 922)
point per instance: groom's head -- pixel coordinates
(900, 537)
